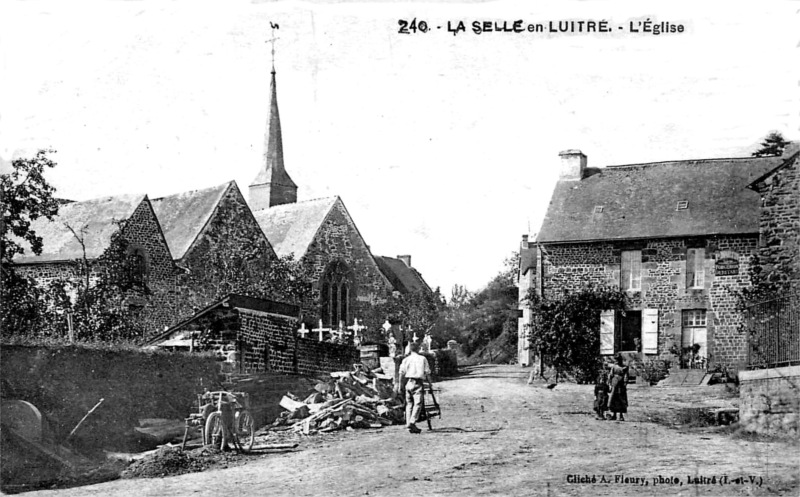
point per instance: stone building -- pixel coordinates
(677, 236)
(768, 392)
(779, 220)
(320, 233)
(96, 229)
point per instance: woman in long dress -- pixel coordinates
(618, 384)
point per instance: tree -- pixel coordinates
(565, 330)
(25, 196)
(772, 145)
(419, 311)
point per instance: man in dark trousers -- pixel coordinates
(415, 369)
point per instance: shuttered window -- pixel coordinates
(695, 270)
(607, 332)
(650, 331)
(631, 270)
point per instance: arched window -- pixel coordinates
(335, 294)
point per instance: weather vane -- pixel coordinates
(272, 41)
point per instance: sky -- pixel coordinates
(441, 145)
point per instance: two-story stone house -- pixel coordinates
(677, 236)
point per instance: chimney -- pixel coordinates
(406, 259)
(524, 242)
(573, 164)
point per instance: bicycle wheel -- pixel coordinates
(245, 430)
(215, 435)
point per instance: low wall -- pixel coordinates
(271, 337)
(65, 382)
(315, 357)
(770, 401)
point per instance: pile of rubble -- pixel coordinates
(362, 398)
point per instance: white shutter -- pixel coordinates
(650, 331)
(606, 332)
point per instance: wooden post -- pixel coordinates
(70, 330)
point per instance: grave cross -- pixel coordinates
(321, 331)
(302, 331)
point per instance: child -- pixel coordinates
(600, 396)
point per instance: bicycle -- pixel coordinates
(223, 418)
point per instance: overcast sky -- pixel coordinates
(442, 146)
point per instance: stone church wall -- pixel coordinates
(338, 238)
(570, 267)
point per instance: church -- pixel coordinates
(186, 246)
(318, 232)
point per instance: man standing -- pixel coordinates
(415, 369)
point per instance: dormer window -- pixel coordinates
(598, 209)
(682, 205)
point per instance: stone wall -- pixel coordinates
(315, 357)
(339, 239)
(143, 231)
(267, 342)
(779, 222)
(271, 339)
(571, 267)
(770, 401)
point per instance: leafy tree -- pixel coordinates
(476, 319)
(564, 330)
(25, 196)
(419, 311)
(772, 145)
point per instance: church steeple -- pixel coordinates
(272, 186)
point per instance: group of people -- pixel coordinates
(611, 391)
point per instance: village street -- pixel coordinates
(499, 435)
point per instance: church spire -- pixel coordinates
(272, 186)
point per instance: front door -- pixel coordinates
(630, 331)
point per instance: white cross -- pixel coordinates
(321, 331)
(302, 331)
(357, 328)
(386, 326)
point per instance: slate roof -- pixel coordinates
(404, 279)
(640, 200)
(184, 215)
(235, 301)
(290, 228)
(97, 215)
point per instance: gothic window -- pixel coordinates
(335, 293)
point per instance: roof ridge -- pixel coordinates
(334, 197)
(221, 185)
(675, 161)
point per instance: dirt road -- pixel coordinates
(500, 436)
